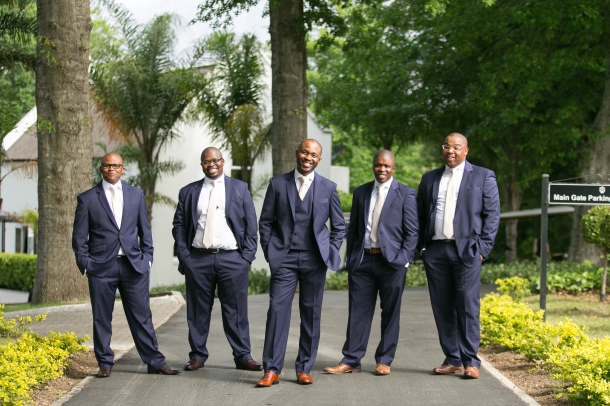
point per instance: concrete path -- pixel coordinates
(411, 381)
(13, 296)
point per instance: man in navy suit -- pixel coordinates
(112, 241)
(215, 234)
(299, 248)
(459, 214)
(381, 240)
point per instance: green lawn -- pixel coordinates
(584, 310)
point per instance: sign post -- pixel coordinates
(574, 194)
(544, 236)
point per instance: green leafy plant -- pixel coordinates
(596, 230)
(258, 281)
(515, 287)
(17, 271)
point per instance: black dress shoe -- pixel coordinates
(250, 365)
(163, 371)
(193, 365)
(103, 373)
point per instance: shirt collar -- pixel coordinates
(386, 185)
(308, 177)
(460, 167)
(220, 179)
(106, 185)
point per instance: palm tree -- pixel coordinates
(231, 101)
(143, 91)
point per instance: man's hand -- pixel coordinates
(481, 257)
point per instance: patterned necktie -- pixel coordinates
(303, 188)
(449, 206)
(208, 233)
(117, 207)
(377, 214)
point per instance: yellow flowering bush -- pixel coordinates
(564, 347)
(31, 359)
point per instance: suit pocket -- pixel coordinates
(97, 248)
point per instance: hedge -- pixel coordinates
(17, 271)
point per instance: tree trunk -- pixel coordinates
(513, 203)
(289, 83)
(599, 155)
(64, 142)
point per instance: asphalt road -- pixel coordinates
(410, 383)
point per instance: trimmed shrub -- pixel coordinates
(258, 281)
(17, 271)
(31, 359)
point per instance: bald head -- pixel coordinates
(311, 140)
(463, 140)
(112, 168)
(113, 155)
(308, 155)
(212, 150)
(384, 153)
(212, 163)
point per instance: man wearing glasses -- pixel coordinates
(459, 214)
(215, 234)
(112, 241)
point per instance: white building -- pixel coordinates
(19, 193)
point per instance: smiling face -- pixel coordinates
(212, 163)
(112, 168)
(456, 150)
(308, 156)
(383, 166)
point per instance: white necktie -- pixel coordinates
(450, 201)
(117, 207)
(377, 214)
(303, 188)
(208, 233)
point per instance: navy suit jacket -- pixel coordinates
(239, 211)
(96, 236)
(397, 230)
(276, 224)
(477, 213)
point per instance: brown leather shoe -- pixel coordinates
(270, 378)
(103, 373)
(303, 378)
(250, 365)
(342, 369)
(163, 371)
(382, 369)
(471, 373)
(193, 365)
(447, 369)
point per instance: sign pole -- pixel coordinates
(544, 234)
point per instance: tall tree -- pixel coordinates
(64, 142)
(231, 99)
(290, 21)
(143, 89)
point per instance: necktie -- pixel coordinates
(208, 233)
(377, 214)
(303, 188)
(449, 206)
(117, 207)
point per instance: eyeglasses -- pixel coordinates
(212, 161)
(448, 147)
(107, 167)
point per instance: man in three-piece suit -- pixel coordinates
(215, 234)
(112, 242)
(459, 214)
(381, 240)
(299, 248)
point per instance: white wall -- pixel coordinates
(18, 192)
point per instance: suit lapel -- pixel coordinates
(367, 201)
(290, 186)
(392, 192)
(435, 185)
(464, 184)
(126, 200)
(317, 193)
(195, 192)
(101, 195)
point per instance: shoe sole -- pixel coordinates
(349, 371)
(267, 386)
(446, 373)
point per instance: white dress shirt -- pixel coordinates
(223, 236)
(458, 172)
(368, 243)
(119, 191)
(308, 180)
